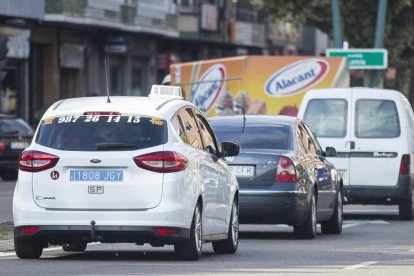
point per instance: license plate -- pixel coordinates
(96, 175)
(242, 171)
(19, 145)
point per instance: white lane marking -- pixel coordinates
(412, 250)
(360, 265)
(353, 223)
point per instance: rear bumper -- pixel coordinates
(389, 195)
(273, 207)
(59, 234)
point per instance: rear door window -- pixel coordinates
(327, 117)
(376, 119)
(101, 132)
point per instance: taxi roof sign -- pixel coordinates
(166, 91)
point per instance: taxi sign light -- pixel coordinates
(166, 91)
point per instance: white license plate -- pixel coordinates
(19, 145)
(96, 175)
(242, 171)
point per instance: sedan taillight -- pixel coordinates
(36, 161)
(285, 171)
(162, 161)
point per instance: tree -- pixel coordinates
(358, 18)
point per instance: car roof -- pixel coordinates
(254, 119)
(157, 107)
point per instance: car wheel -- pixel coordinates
(191, 250)
(229, 245)
(308, 229)
(406, 208)
(74, 246)
(334, 225)
(28, 249)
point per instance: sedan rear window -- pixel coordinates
(97, 132)
(11, 127)
(258, 136)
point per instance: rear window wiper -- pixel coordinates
(10, 132)
(115, 146)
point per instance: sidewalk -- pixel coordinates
(6, 236)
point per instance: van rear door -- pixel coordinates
(327, 112)
(377, 134)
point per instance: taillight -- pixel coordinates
(405, 164)
(285, 171)
(2, 146)
(162, 161)
(29, 230)
(36, 161)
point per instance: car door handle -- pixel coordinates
(352, 144)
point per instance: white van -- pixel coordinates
(372, 131)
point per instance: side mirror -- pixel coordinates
(330, 152)
(229, 149)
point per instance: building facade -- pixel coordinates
(58, 49)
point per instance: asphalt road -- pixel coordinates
(6, 200)
(374, 242)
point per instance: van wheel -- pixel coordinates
(229, 245)
(28, 249)
(406, 208)
(74, 247)
(191, 250)
(308, 229)
(334, 225)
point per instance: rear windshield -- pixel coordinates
(376, 119)
(260, 136)
(15, 127)
(97, 132)
(327, 117)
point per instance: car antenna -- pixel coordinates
(244, 115)
(108, 100)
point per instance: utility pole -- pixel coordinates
(379, 36)
(336, 24)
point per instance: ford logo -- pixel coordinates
(204, 94)
(296, 77)
(95, 161)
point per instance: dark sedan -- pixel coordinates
(15, 136)
(283, 174)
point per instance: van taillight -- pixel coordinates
(285, 171)
(162, 161)
(36, 161)
(405, 164)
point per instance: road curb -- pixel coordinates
(7, 244)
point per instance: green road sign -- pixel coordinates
(362, 58)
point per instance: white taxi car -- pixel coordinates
(126, 169)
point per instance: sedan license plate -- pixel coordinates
(242, 171)
(19, 145)
(96, 175)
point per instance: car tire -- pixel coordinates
(406, 208)
(74, 247)
(191, 250)
(334, 225)
(28, 248)
(229, 245)
(307, 230)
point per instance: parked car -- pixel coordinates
(373, 132)
(126, 169)
(15, 136)
(283, 174)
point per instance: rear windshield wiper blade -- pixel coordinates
(10, 133)
(114, 146)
